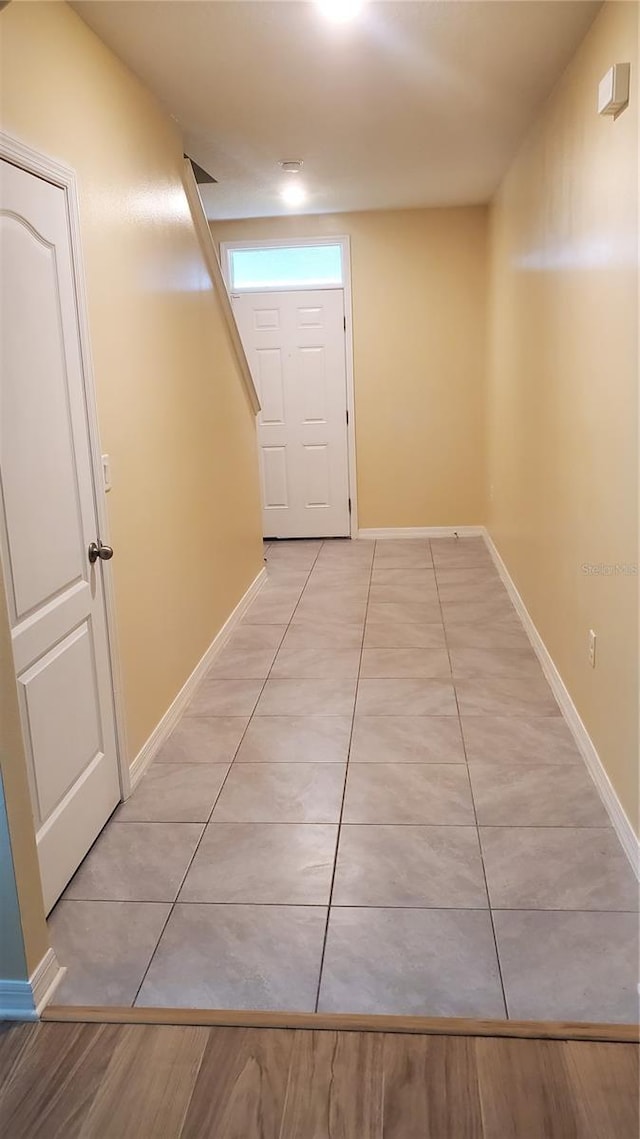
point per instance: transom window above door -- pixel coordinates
(285, 267)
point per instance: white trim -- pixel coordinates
(619, 820)
(17, 152)
(45, 980)
(163, 730)
(299, 242)
(382, 534)
(25, 1000)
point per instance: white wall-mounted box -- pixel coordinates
(613, 89)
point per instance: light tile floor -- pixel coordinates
(371, 805)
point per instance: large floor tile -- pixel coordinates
(308, 634)
(507, 633)
(352, 580)
(282, 589)
(424, 594)
(281, 793)
(202, 739)
(437, 793)
(418, 663)
(569, 966)
(479, 610)
(410, 554)
(296, 739)
(405, 612)
(536, 795)
(406, 739)
(387, 633)
(407, 578)
(237, 662)
(406, 698)
(253, 957)
(459, 552)
(105, 948)
(307, 698)
(175, 793)
(495, 662)
(519, 739)
(287, 574)
(256, 636)
(331, 608)
(506, 696)
(136, 862)
(488, 589)
(268, 863)
(310, 663)
(270, 610)
(432, 866)
(482, 574)
(411, 962)
(225, 698)
(348, 593)
(557, 868)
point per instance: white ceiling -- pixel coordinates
(413, 104)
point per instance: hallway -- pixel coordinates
(372, 805)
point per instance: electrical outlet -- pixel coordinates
(592, 648)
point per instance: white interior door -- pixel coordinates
(295, 345)
(48, 519)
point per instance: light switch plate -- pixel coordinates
(106, 473)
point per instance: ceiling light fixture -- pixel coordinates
(293, 193)
(340, 11)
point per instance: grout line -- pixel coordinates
(352, 906)
(473, 803)
(355, 822)
(344, 789)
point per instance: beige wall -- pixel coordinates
(419, 288)
(184, 509)
(563, 389)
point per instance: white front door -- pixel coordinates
(47, 521)
(295, 345)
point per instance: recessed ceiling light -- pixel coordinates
(340, 11)
(293, 194)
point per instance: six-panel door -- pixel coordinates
(295, 344)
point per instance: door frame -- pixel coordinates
(344, 242)
(18, 153)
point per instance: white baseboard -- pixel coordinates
(163, 730)
(423, 532)
(619, 820)
(25, 1000)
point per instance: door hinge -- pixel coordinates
(349, 506)
(344, 321)
(347, 414)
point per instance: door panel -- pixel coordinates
(39, 482)
(274, 476)
(270, 383)
(316, 468)
(66, 740)
(48, 518)
(295, 345)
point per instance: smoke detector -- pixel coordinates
(292, 167)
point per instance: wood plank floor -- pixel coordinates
(123, 1081)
